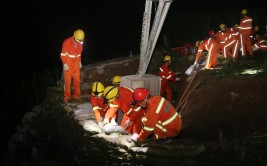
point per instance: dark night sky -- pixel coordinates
(32, 32)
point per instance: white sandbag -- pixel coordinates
(91, 126)
(190, 70)
(112, 128)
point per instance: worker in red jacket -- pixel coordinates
(121, 98)
(245, 27)
(99, 106)
(71, 58)
(167, 75)
(229, 43)
(212, 46)
(254, 32)
(260, 44)
(160, 118)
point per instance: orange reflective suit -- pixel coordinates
(123, 102)
(260, 44)
(213, 47)
(166, 75)
(228, 42)
(245, 27)
(99, 108)
(236, 35)
(71, 55)
(161, 119)
(135, 116)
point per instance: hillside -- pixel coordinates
(224, 123)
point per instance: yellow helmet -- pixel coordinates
(79, 35)
(116, 80)
(256, 28)
(235, 26)
(197, 43)
(97, 89)
(244, 11)
(110, 93)
(222, 26)
(167, 58)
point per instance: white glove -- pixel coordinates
(106, 121)
(100, 124)
(65, 67)
(178, 79)
(113, 122)
(80, 65)
(134, 137)
(196, 64)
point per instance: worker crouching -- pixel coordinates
(160, 118)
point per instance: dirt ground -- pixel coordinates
(234, 107)
(223, 107)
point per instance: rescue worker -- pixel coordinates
(212, 46)
(71, 58)
(245, 27)
(211, 33)
(116, 80)
(234, 30)
(167, 75)
(160, 118)
(120, 98)
(260, 44)
(254, 32)
(99, 106)
(227, 42)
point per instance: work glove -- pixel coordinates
(113, 122)
(196, 64)
(134, 137)
(106, 121)
(65, 67)
(80, 64)
(100, 124)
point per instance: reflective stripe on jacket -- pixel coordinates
(159, 115)
(71, 51)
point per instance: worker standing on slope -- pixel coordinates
(227, 42)
(212, 46)
(167, 75)
(245, 27)
(160, 118)
(71, 58)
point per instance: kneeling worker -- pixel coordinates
(160, 118)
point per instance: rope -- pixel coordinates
(185, 99)
(186, 90)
